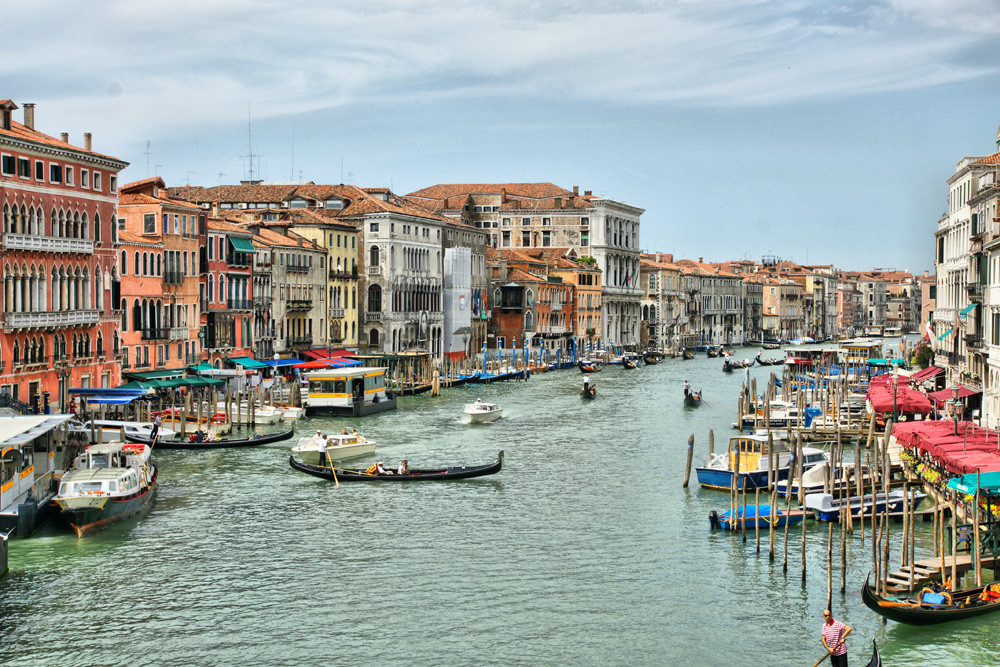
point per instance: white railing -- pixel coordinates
(373, 317)
(179, 333)
(47, 243)
(555, 306)
(336, 313)
(47, 319)
(374, 270)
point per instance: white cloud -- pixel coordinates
(133, 66)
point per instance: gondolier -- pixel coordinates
(834, 635)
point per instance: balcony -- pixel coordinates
(974, 341)
(140, 364)
(297, 268)
(155, 333)
(178, 333)
(262, 302)
(334, 274)
(336, 313)
(173, 277)
(218, 343)
(298, 341)
(556, 329)
(373, 317)
(239, 260)
(47, 244)
(50, 319)
(298, 305)
(239, 304)
(975, 291)
(591, 331)
(374, 270)
(555, 306)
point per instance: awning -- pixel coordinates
(108, 391)
(989, 483)
(241, 245)
(203, 366)
(926, 373)
(965, 311)
(310, 365)
(325, 354)
(155, 375)
(247, 362)
(105, 399)
(945, 394)
(276, 363)
(946, 333)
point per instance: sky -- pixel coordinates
(819, 132)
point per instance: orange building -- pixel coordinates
(59, 202)
(160, 269)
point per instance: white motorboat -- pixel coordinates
(262, 414)
(108, 482)
(113, 430)
(814, 480)
(289, 412)
(481, 413)
(827, 508)
(338, 448)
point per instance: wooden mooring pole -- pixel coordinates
(690, 454)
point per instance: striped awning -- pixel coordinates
(946, 333)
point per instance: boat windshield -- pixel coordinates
(84, 487)
(100, 461)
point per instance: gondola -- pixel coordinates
(876, 660)
(589, 392)
(771, 346)
(415, 475)
(962, 604)
(591, 367)
(687, 355)
(214, 444)
(629, 364)
(650, 359)
(692, 399)
(712, 352)
(729, 365)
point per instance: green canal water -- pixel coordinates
(584, 549)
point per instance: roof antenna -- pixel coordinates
(148, 153)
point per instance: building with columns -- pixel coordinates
(59, 203)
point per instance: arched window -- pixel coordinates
(145, 264)
(159, 264)
(211, 287)
(137, 267)
(124, 264)
(373, 256)
(529, 320)
(529, 298)
(136, 316)
(374, 299)
(124, 317)
(373, 337)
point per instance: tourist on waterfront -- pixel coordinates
(322, 452)
(834, 635)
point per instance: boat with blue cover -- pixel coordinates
(753, 516)
(827, 508)
(754, 455)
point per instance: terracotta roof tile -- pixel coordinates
(129, 238)
(19, 131)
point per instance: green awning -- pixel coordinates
(247, 362)
(241, 245)
(941, 337)
(965, 311)
(154, 375)
(173, 383)
(203, 366)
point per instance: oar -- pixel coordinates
(336, 481)
(599, 393)
(823, 658)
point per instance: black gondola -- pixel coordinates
(589, 391)
(962, 604)
(687, 355)
(713, 353)
(415, 475)
(876, 660)
(213, 444)
(629, 364)
(650, 359)
(589, 366)
(692, 399)
(729, 365)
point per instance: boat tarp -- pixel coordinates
(248, 362)
(926, 373)
(241, 245)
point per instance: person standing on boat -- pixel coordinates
(834, 635)
(321, 446)
(156, 428)
(687, 388)
(586, 382)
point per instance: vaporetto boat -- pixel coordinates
(352, 392)
(108, 482)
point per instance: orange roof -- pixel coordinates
(221, 225)
(989, 159)
(19, 131)
(128, 238)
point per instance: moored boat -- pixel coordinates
(753, 453)
(352, 392)
(827, 508)
(338, 448)
(261, 414)
(414, 475)
(481, 413)
(208, 440)
(938, 607)
(752, 516)
(108, 482)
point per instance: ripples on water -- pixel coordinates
(585, 549)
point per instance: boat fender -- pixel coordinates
(713, 519)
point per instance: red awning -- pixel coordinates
(316, 363)
(945, 394)
(326, 354)
(926, 374)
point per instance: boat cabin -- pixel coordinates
(348, 391)
(104, 468)
(752, 451)
(28, 447)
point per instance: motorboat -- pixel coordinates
(339, 448)
(262, 414)
(113, 430)
(107, 483)
(481, 413)
(814, 480)
(754, 516)
(289, 412)
(751, 455)
(217, 423)
(827, 508)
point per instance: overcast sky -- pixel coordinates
(820, 132)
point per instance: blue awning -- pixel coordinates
(276, 363)
(103, 399)
(108, 391)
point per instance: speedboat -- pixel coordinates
(814, 480)
(481, 413)
(753, 455)
(754, 516)
(108, 482)
(112, 430)
(289, 412)
(262, 414)
(338, 448)
(827, 508)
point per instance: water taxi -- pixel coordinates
(108, 482)
(28, 461)
(338, 448)
(752, 454)
(481, 413)
(352, 392)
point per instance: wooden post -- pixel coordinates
(756, 523)
(829, 566)
(711, 443)
(843, 554)
(954, 545)
(743, 527)
(690, 453)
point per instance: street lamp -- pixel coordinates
(895, 388)
(956, 406)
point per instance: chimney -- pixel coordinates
(65, 137)
(503, 195)
(558, 203)
(588, 193)
(86, 141)
(5, 110)
(576, 190)
(658, 258)
(701, 260)
(29, 115)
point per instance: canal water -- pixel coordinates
(584, 549)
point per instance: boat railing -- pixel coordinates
(42, 485)
(719, 460)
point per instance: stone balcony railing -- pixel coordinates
(50, 319)
(374, 270)
(178, 333)
(336, 313)
(47, 243)
(373, 317)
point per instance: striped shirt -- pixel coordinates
(831, 633)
